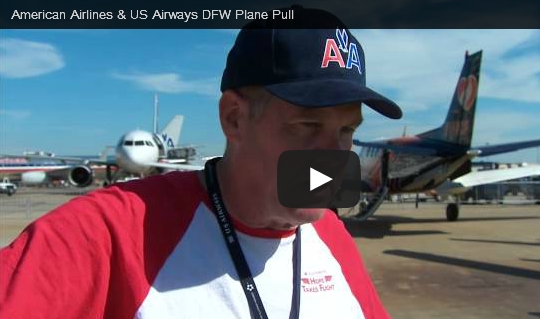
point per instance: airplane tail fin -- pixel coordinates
(459, 123)
(171, 132)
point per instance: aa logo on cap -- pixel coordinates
(336, 49)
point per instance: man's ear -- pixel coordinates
(232, 114)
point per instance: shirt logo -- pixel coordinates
(336, 49)
(317, 282)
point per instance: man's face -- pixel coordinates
(282, 126)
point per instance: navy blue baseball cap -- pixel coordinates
(299, 62)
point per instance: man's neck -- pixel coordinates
(242, 200)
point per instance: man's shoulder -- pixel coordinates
(171, 182)
(329, 223)
(150, 203)
(154, 192)
(332, 231)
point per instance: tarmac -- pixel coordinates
(485, 265)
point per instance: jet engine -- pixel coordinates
(34, 178)
(81, 176)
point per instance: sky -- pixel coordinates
(73, 92)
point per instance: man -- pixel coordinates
(217, 243)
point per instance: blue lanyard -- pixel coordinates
(229, 234)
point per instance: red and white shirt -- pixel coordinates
(152, 248)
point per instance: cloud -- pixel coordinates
(494, 127)
(171, 83)
(18, 115)
(23, 59)
(420, 67)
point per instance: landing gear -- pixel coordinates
(108, 177)
(111, 177)
(452, 212)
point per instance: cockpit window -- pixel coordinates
(149, 143)
(128, 142)
(139, 143)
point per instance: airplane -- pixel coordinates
(23, 170)
(137, 152)
(423, 162)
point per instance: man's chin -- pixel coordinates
(309, 215)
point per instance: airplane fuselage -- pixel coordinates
(406, 172)
(136, 149)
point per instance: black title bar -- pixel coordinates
(233, 14)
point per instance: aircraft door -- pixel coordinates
(161, 148)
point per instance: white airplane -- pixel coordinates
(138, 152)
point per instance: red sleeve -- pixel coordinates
(58, 267)
(95, 256)
(332, 231)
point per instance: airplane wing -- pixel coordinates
(489, 150)
(465, 182)
(430, 149)
(400, 148)
(64, 159)
(426, 148)
(176, 166)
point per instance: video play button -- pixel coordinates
(318, 179)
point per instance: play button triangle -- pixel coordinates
(317, 179)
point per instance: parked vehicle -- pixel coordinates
(7, 187)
